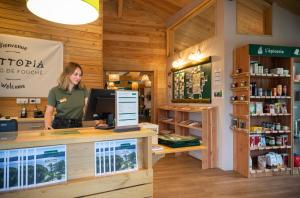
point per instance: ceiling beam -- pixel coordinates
(186, 12)
(120, 8)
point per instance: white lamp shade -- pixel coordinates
(113, 77)
(145, 77)
(70, 12)
(135, 86)
(148, 83)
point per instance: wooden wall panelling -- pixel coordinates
(82, 44)
(254, 17)
(135, 42)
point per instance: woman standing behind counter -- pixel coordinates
(69, 98)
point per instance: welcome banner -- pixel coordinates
(28, 67)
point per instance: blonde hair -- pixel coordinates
(64, 79)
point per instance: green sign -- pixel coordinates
(276, 51)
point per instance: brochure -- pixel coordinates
(115, 156)
(30, 167)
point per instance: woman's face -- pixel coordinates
(76, 76)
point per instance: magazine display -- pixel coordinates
(116, 156)
(30, 167)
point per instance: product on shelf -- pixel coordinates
(175, 141)
(274, 160)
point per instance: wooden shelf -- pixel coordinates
(270, 75)
(167, 149)
(271, 132)
(246, 88)
(240, 102)
(269, 148)
(268, 114)
(167, 122)
(270, 172)
(244, 74)
(243, 117)
(270, 97)
(190, 127)
(296, 81)
(240, 130)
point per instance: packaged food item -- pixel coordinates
(278, 140)
(262, 162)
(270, 140)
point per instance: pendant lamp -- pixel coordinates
(69, 12)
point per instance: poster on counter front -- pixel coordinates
(25, 63)
(30, 167)
(115, 156)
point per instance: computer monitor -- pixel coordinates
(101, 106)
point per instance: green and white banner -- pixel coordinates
(29, 67)
(276, 51)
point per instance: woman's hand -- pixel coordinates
(48, 128)
(100, 123)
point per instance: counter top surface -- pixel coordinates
(26, 139)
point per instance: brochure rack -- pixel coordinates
(183, 120)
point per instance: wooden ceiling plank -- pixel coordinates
(187, 12)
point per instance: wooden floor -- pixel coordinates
(182, 177)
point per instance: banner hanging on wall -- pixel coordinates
(29, 67)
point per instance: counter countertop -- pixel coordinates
(26, 139)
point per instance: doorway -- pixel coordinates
(141, 81)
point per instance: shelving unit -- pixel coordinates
(296, 120)
(244, 120)
(207, 130)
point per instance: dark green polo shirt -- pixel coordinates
(69, 105)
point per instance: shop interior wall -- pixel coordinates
(286, 29)
(213, 47)
(135, 41)
(82, 44)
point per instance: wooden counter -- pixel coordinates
(81, 179)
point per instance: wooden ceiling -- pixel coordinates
(195, 30)
(291, 5)
(163, 8)
(200, 27)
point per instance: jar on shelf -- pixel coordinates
(274, 91)
(234, 85)
(285, 158)
(278, 127)
(238, 70)
(279, 140)
(260, 91)
(270, 140)
(242, 98)
(285, 140)
(279, 90)
(284, 90)
(243, 83)
(254, 89)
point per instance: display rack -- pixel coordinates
(174, 119)
(262, 115)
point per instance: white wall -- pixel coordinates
(286, 31)
(213, 47)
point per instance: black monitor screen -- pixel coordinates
(101, 104)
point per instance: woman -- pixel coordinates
(69, 98)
